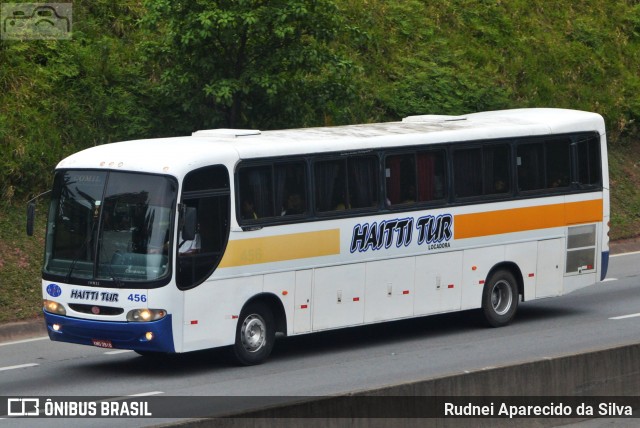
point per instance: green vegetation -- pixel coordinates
(148, 68)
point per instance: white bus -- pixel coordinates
(225, 237)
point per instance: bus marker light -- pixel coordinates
(450, 286)
(531, 275)
(481, 282)
(474, 267)
(356, 299)
(234, 317)
(285, 292)
(194, 322)
(304, 306)
(405, 292)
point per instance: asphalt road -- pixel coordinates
(599, 316)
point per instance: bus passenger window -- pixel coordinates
(467, 168)
(558, 162)
(400, 173)
(290, 184)
(588, 154)
(496, 169)
(331, 194)
(256, 192)
(430, 175)
(345, 184)
(272, 191)
(414, 178)
(544, 165)
(530, 164)
(363, 182)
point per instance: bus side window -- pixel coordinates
(345, 184)
(544, 165)
(206, 190)
(256, 192)
(430, 175)
(331, 192)
(290, 184)
(363, 181)
(497, 174)
(588, 162)
(530, 164)
(400, 175)
(558, 162)
(272, 191)
(467, 168)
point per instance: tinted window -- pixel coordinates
(544, 164)
(347, 183)
(197, 258)
(271, 191)
(482, 171)
(588, 162)
(415, 177)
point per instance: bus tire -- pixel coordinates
(500, 298)
(255, 335)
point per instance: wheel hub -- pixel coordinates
(253, 333)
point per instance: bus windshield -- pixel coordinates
(110, 226)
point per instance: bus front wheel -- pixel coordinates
(500, 298)
(255, 334)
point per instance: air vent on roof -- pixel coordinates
(433, 118)
(224, 132)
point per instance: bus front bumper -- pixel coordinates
(118, 335)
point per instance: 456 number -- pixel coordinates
(137, 297)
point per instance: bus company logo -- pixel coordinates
(435, 232)
(23, 407)
(54, 290)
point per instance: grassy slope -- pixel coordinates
(20, 261)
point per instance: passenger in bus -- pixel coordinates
(248, 210)
(409, 195)
(500, 186)
(295, 205)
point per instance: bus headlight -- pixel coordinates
(54, 307)
(143, 315)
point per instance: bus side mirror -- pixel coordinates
(190, 224)
(31, 215)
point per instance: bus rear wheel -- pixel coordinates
(255, 334)
(500, 299)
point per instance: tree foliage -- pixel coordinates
(148, 68)
(249, 62)
(60, 96)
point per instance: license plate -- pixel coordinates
(101, 343)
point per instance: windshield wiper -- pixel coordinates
(80, 250)
(75, 260)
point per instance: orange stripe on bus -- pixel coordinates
(527, 218)
(280, 248)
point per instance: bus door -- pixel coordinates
(206, 197)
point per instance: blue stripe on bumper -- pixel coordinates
(123, 335)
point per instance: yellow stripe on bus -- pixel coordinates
(279, 248)
(528, 218)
